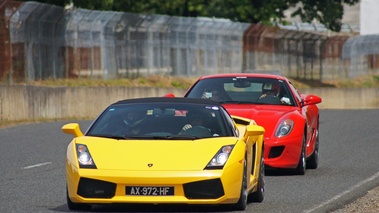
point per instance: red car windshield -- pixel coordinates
(243, 90)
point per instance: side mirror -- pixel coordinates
(311, 99)
(169, 95)
(73, 129)
(255, 130)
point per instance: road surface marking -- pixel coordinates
(375, 176)
(37, 165)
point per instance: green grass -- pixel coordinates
(369, 81)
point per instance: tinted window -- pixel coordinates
(154, 120)
(243, 90)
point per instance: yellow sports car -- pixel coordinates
(165, 150)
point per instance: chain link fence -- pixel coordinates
(362, 53)
(42, 41)
(298, 54)
(7, 9)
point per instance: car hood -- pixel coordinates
(153, 155)
(267, 116)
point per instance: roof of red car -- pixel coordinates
(252, 75)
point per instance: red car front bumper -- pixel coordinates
(282, 152)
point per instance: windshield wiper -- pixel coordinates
(165, 137)
(117, 137)
(182, 137)
(149, 137)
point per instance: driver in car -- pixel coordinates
(134, 121)
(215, 93)
(194, 119)
(273, 89)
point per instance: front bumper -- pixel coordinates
(94, 186)
(282, 152)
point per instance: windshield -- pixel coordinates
(174, 121)
(243, 90)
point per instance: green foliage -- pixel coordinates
(327, 12)
(94, 4)
(179, 84)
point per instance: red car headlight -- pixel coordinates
(284, 128)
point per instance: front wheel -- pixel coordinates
(258, 195)
(312, 162)
(242, 202)
(76, 206)
(300, 169)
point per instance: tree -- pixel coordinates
(327, 12)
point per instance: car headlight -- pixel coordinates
(219, 160)
(284, 128)
(84, 157)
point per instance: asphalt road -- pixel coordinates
(32, 165)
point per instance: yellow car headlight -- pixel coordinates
(219, 160)
(84, 157)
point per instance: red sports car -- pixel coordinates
(291, 119)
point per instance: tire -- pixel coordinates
(302, 165)
(312, 162)
(242, 202)
(76, 206)
(258, 195)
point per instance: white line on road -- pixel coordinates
(375, 176)
(37, 165)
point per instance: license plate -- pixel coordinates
(150, 190)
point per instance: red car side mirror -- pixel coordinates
(311, 99)
(169, 95)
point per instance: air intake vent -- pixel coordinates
(208, 189)
(90, 188)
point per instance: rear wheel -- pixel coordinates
(76, 206)
(300, 169)
(312, 162)
(258, 196)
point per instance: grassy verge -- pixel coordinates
(368, 81)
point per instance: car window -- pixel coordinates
(243, 90)
(230, 123)
(161, 120)
(296, 92)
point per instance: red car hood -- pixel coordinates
(265, 115)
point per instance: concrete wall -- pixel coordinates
(31, 102)
(357, 98)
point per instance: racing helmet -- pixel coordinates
(199, 114)
(271, 88)
(134, 118)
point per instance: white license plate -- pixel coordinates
(149, 190)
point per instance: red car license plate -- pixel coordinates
(150, 190)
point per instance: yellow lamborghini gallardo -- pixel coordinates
(165, 151)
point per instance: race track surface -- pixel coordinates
(32, 169)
